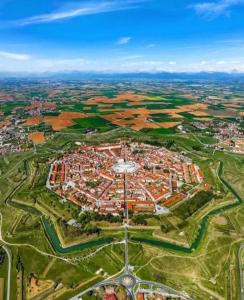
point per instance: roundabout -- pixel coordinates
(128, 281)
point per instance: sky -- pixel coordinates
(121, 35)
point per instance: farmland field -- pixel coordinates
(54, 255)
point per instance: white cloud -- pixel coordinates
(221, 62)
(13, 55)
(118, 64)
(172, 63)
(124, 40)
(82, 9)
(131, 57)
(215, 8)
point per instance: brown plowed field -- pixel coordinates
(37, 137)
(33, 121)
(130, 96)
(143, 115)
(65, 119)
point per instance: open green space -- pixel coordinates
(8, 107)
(94, 122)
(24, 199)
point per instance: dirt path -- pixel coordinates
(210, 292)
(49, 266)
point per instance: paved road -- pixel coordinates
(9, 270)
(164, 289)
(129, 285)
(9, 260)
(127, 279)
(126, 228)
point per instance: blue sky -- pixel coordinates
(121, 35)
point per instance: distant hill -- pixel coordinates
(165, 76)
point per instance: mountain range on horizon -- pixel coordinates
(78, 75)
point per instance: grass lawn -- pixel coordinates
(198, 274)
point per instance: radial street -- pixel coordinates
(127, 279)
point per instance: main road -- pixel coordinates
(5, 248)
(127, 279)
(9, 270)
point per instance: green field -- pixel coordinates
(23, 177)
(94, 122)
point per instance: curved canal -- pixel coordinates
(57, 246)
(203, 224)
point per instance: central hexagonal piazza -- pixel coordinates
(125, 166)
(94, 177)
